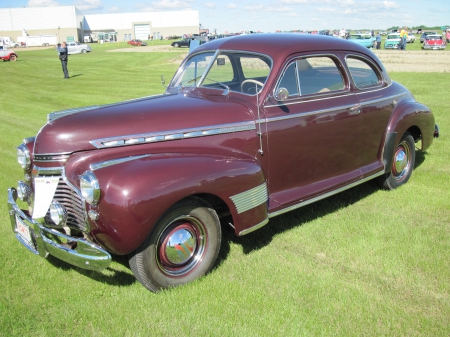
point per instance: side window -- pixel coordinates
(255, 68)
(363, 74)
(318, 75)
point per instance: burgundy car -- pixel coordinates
(250, 127)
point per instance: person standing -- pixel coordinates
(378, 40)
(63, 56)
(403, 36)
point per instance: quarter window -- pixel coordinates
(363, 74)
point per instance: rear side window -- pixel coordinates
(311, 75)
(364, 75)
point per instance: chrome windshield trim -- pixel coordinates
(164, 136)
(325, 195)
(107, 163)
(250, 199)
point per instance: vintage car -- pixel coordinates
(7, 54)
(424, 35)
(249, 128)
(185, 42)
(392, 41)
(436, 42)
(137, 43)
(411, 38)
(365, 40)
(78, 48)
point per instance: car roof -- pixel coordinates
(281, 45)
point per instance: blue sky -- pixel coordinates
(272, 15)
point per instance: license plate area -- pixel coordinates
(24, 231)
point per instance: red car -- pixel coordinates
(434, 42)
(137, 43)
(250, 127)
(7, 55)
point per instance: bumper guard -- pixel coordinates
(46, 241)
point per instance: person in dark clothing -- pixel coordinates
(64, 57)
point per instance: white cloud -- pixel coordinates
(86, 5)
(254, 8)
(278, 9)
(171, 4)
(42, 3)
(231, 6)
(210, 5)
(114, 9)
(294, 2)
(390, 4)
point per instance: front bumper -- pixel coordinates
(46, 241)
(391, 46)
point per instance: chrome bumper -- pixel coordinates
(46, 241)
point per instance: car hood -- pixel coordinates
(75, 130)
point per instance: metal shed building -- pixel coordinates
(65, 21)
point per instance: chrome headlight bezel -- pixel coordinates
(23, 156)
(90, 187)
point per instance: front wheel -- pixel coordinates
(182, 247)
(176, 45)
(402, 164)
(84, 51)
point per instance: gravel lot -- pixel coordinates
(394, 60)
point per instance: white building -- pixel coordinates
(68, 22)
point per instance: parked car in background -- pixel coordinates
(411, 38)
(185, 42)
(249, 128)
(77, 48)
(365, 40)
(137, 43)
(392, 41)
(434, 42)
(424, 35)
(7, 54)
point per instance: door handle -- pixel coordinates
(355, 110)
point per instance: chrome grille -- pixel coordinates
(71, 200)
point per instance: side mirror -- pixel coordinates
(281, 94)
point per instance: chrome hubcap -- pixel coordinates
(401, 161)
(181, 246)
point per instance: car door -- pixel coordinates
(313, 131)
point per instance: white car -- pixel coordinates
(77, 48)
(411, 38)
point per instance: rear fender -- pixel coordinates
(135, 194)
(415, 118)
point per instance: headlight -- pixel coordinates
(90, 188)
(23, 157)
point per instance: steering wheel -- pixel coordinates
(250, 88)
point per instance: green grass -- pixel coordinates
(362, 263)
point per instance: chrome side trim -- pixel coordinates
(250, 199)
(172, 135)
(310, 113)
(303, 99)
(107, 163)
(254, 228)
(323, 196)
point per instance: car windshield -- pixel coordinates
(393, 36)
(434, 37)
(234, 71)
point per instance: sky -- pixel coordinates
(272, 15)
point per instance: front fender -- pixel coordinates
(135, 194)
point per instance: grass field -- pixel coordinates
(365, 262)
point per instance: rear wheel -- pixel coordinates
(182, 247)
(402, 164)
